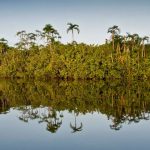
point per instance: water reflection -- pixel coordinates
(44, 115)
(75, 127)
(45, 102)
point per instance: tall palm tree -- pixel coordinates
(144, 39)
(133, 40)
(114, 31)
(71, 28)
(47, 32)
(130, 39)
(137, 43)
(3, 45)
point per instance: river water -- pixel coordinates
(81, 115)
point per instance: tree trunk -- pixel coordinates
(143, 47)
(113, 41)
(72, 36)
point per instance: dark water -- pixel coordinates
(74, 115)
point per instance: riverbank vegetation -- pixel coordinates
(41, 55)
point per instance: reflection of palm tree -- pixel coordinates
(75, 128)
(116, 124)
(53, 126)
(53, 123)
(115, 127)
(52, 120)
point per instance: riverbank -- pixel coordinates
(74, 62)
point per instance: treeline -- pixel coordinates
(120, 102)
(42, 55)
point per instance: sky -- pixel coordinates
(93, 16)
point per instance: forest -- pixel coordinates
(41, 55)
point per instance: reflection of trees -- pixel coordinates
(53, 121)
(74, 127)
(122, 102)
(128, 111)
(4, 106)
(28, 113)
(45, 115)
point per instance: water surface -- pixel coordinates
(74, 115)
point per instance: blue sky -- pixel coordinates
(93, 16)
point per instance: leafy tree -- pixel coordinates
(145, 38)
(114, 31)
(3, 46)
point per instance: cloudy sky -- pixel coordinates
(93, 16)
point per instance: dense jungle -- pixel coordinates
(41, 55)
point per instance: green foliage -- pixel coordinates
(123, 57)
(73, 62)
